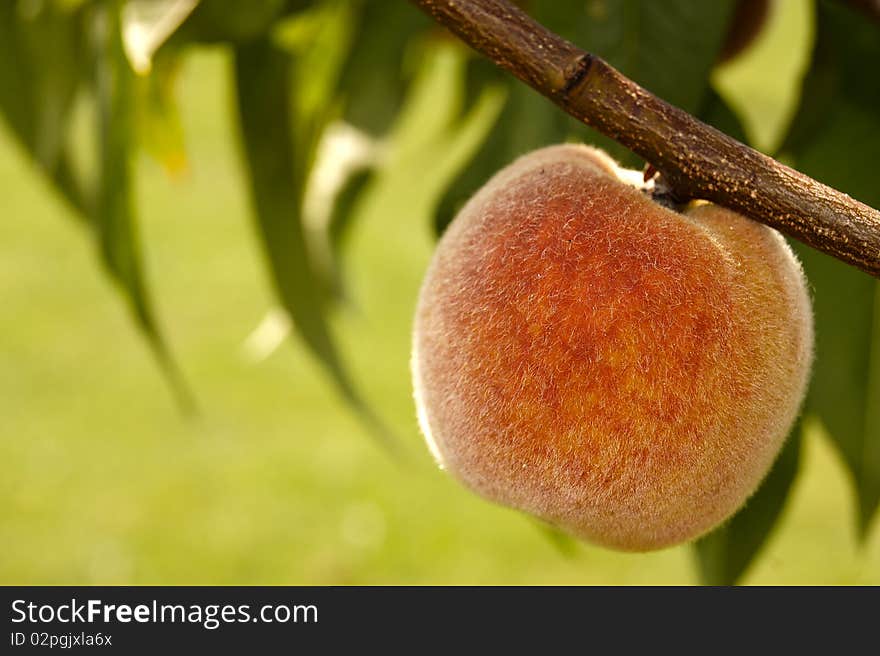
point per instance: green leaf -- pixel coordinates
(319, 40)
(375, 75)
(724, 555)
(236, 21)
(42, 62)
(159, 129)
(113, 216)
(45, 58)
(834, 139)
(340, 222)
(277, 157)
(763, 84)
(233, 21)
(147, 24)
(667, 47)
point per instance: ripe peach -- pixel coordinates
(619, 369)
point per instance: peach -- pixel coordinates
(621, 370)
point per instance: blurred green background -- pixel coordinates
(103, 480)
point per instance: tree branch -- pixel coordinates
(696, 160)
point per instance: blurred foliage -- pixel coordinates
(55, 50)
(724, 555)
(300, 68)
(834, 139)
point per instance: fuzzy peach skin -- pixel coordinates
(623, 371)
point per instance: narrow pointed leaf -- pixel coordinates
(277, 174)
(341, 219)
(319, 41)
(375, 75)
(233, 21)
(113, 216)
(42, 63)
(668, 47)
(160, 132)
(147, 24)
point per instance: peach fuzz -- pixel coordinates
(621, 370)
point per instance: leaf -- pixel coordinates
(667, 47)
(340, 221)
(45, 58)
(346, 198)
(724, 555)
(763, 84)
(277, 161)
(42, 62)
(319, 40)
(233, 21)
(374, 77)
(372, 82)
(159, 129)
(147, 24)
(834, 138)
(113, 216)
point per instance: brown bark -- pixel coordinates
(696, 160)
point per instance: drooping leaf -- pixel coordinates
(147, 24)
(233, 21)
(375, 74)
(724, 555)
(667, 47)
(339, 223)
(387, 41)
(46, 57)
(113, 216)
(834, 138)
(320, 41)
(277, 157)
(42, 63)
(763, 85)
(160, 132)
